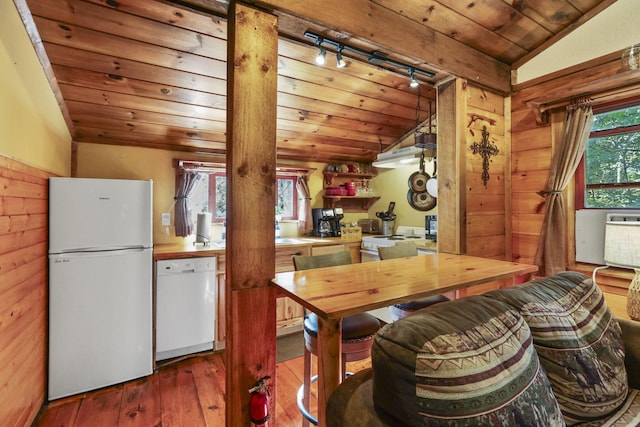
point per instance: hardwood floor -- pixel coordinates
(190, 393)
(186, 393)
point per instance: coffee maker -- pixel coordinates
(326, 222)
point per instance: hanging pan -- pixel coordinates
(432, 183)
(421, 201)
(418, 180)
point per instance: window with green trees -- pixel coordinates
(612, 160)
(286, 196)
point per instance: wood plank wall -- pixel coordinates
(23, 291)
(532, 141)
(487, 216)
(530, 162)
(486, 225)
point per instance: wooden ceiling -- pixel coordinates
(152, 73)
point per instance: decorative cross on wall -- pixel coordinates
(486, 150)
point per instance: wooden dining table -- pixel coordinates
(336, 292)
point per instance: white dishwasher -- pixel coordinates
(185, 306)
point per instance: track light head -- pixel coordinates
(339, 61)
(413, 81)
(321, 57)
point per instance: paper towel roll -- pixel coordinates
(203, 228)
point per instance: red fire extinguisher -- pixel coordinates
(259, 403)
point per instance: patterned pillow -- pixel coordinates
(468, 362)
(578, 341)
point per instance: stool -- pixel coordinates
(358, 332)
(399, 311)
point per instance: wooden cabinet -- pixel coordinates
(354, 248)
(322, 250)
(348, 203)
(288, 312)
(221, 324)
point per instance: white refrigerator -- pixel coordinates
(100, 283)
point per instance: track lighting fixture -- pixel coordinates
(339, 61)
(377, 58)
(413, 82)
(321, 57)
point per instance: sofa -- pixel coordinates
(545, 353)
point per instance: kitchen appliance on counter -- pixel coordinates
(185, 306)
(326, 222)
(369, 225)
(100, 283)
(388, 219)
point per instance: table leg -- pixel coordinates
(329, 365)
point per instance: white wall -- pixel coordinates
(613, 29)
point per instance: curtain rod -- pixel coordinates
(540, 107)
(201, 166)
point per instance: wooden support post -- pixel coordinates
(251, 173)
(452, 167)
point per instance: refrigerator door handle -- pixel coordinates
(89, 252)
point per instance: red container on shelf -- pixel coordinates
(351, 188)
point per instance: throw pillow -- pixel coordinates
(469, 362)
(578, 341)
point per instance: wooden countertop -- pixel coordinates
(164, 251)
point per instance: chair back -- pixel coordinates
(306, 262)
(400, 250)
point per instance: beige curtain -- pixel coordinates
(305, 222)
(551, 255)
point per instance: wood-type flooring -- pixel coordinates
(188, 393)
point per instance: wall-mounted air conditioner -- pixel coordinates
(622, 240)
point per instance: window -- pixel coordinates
(286, 196)
(609, 176)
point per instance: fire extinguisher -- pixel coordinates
(259, 404)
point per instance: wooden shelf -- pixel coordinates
(329, 176)
(364, 202)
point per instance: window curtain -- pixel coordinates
(186, 182)
(305, 222)
(551, 254)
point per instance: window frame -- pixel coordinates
(581, 187)
(289, 177)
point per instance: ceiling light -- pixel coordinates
(321, 58)
(339, 61)
(414, 81)
(398, 158)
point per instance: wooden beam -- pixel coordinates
(251, 173)
(397, 34)
(451, 167)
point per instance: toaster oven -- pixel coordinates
(369, 225)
